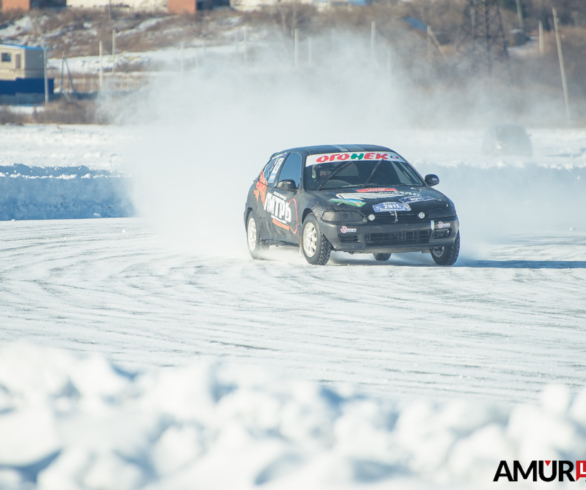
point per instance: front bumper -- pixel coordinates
(391, 238)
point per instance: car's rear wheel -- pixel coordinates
(256, 247)
(316, 247)
(446, 255)
(382, 257)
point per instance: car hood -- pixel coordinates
(371, 200)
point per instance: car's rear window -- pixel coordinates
(272, 168)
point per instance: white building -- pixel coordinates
(20, 62)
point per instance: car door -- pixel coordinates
(264, 195)
(281, 202)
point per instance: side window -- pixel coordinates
(6, 57)
(272, 169)
(292, 169)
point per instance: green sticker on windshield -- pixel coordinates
(350, 202)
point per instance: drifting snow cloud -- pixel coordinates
(209, 131)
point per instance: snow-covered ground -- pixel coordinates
(498, 327)
(403, 373)
(70, 423)
(97, 147)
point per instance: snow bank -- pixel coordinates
(80, 423)
(61, 193)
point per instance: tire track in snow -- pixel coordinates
(399, 330)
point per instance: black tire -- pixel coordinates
(447, 255)
(382, 257)
(316, 247)
(256, 246)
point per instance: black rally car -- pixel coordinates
(351, 198)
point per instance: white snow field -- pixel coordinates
(201, 368)
(71, 423)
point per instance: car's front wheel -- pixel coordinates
(447, 255)
(316, 247)
(382, 257)
(255, 245)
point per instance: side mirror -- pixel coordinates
(431, 180)
(287, 185)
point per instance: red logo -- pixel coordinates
(345, 229)
(261, 188)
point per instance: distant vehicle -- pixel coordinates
(350, 198)
(507, 139)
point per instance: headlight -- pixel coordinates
(443, 212)
(342, 217)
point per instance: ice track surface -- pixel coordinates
(498, 329)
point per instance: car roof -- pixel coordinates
(314, 150)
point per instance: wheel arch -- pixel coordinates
(306, 212)
(247, 214)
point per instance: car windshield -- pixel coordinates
(371, 173)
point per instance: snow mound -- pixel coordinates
(62, 193)
(80, 423)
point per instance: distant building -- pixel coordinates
(21, 62)
(133, 4)
(182, 6)
(26, 5)
(16, 5)
(192, 6)
(22, 73)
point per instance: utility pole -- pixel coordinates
(432, 37)
(113, 51)
(45, 75)
(558, 38)
(101, 69)
(244, 45)
(520, 15)
(541, 44)
(181, 58)
(372, 39)
(428, 43)
(296, 47)
(62, 68)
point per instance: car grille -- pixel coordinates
(389, 218)
(411, 217)
(397, 238)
